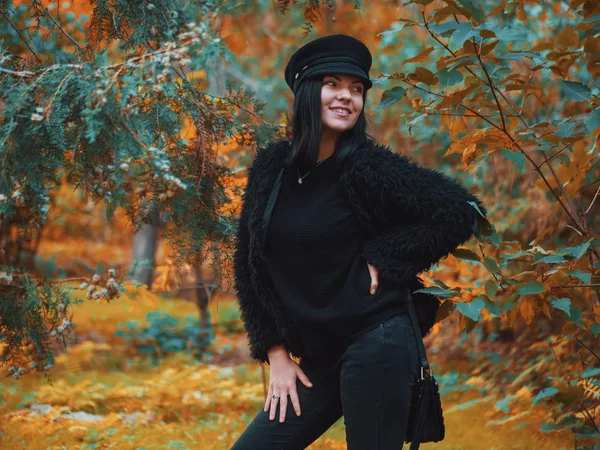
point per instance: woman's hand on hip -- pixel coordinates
(283, 374)
(374, 277)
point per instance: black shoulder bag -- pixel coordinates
(426, 419)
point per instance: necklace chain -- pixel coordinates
(300, 178)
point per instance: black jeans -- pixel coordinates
(369, 381)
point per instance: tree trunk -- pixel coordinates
(144, 246)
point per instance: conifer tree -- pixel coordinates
(101, 102)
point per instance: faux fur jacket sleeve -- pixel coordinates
(418, 215)
(259, 325)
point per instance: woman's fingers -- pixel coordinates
(268, 399)
(274, 402)
(282, 407)
(303, 378)
(374, 277)
(295, 401)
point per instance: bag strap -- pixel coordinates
(415, 323)
(420, 414)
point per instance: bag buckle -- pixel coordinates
(430, 372)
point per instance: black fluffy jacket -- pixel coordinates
(410, 215)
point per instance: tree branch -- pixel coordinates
(51, 17)
(19, 33)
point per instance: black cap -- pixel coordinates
(338, 53)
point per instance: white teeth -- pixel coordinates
(343, 111)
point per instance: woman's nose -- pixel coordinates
(344, 93)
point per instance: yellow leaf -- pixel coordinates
(527, 310)
(420, 57)
(568, 37)
(424, 76)
(469, 154)
(546, 310)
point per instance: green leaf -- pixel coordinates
(575, 91)
(595, 329)
(590, 372)
(391, 96)
(389, 37)
(545, 393)
(509, 303)
(510, 34)
(548, 427)
(576, 316)
(531, 288)
(518, 56)
(566, 129)
(503, 404)
(440, 28)
(492, 307)
(577, 251)
(491, 265)
(550, 259)
(511, 256)
(473, 8)
(594, 18)
(472, 309)
(583, 276)
(491, 289)
(466, 254)
(564, 304)
(449, 77)
(517, 158)
(592, 120)
(440, 283)
(463, 31)
(435, 290)
(474, 205)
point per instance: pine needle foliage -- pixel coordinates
(110, 121)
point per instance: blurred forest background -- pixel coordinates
(126, 128)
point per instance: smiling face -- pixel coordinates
(341, 102)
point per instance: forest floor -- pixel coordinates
(102, 394)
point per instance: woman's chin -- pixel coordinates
(337, 128)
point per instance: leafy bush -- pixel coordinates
(227, 316)
(166, 335)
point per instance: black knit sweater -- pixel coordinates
(313, 253)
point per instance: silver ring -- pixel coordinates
(275, 396)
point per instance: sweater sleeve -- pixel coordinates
(261, 329)
(426, 214)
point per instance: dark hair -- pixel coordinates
(307, 126)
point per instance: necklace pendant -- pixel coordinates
(299, 180)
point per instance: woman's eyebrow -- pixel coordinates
(339, 79)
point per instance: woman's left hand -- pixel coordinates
(374, 278)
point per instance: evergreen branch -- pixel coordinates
(51, 17)
(237, 105)
(49, 107)
(135, 59)
(19, 33)
(18, 73)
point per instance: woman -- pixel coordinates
(333, 229)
